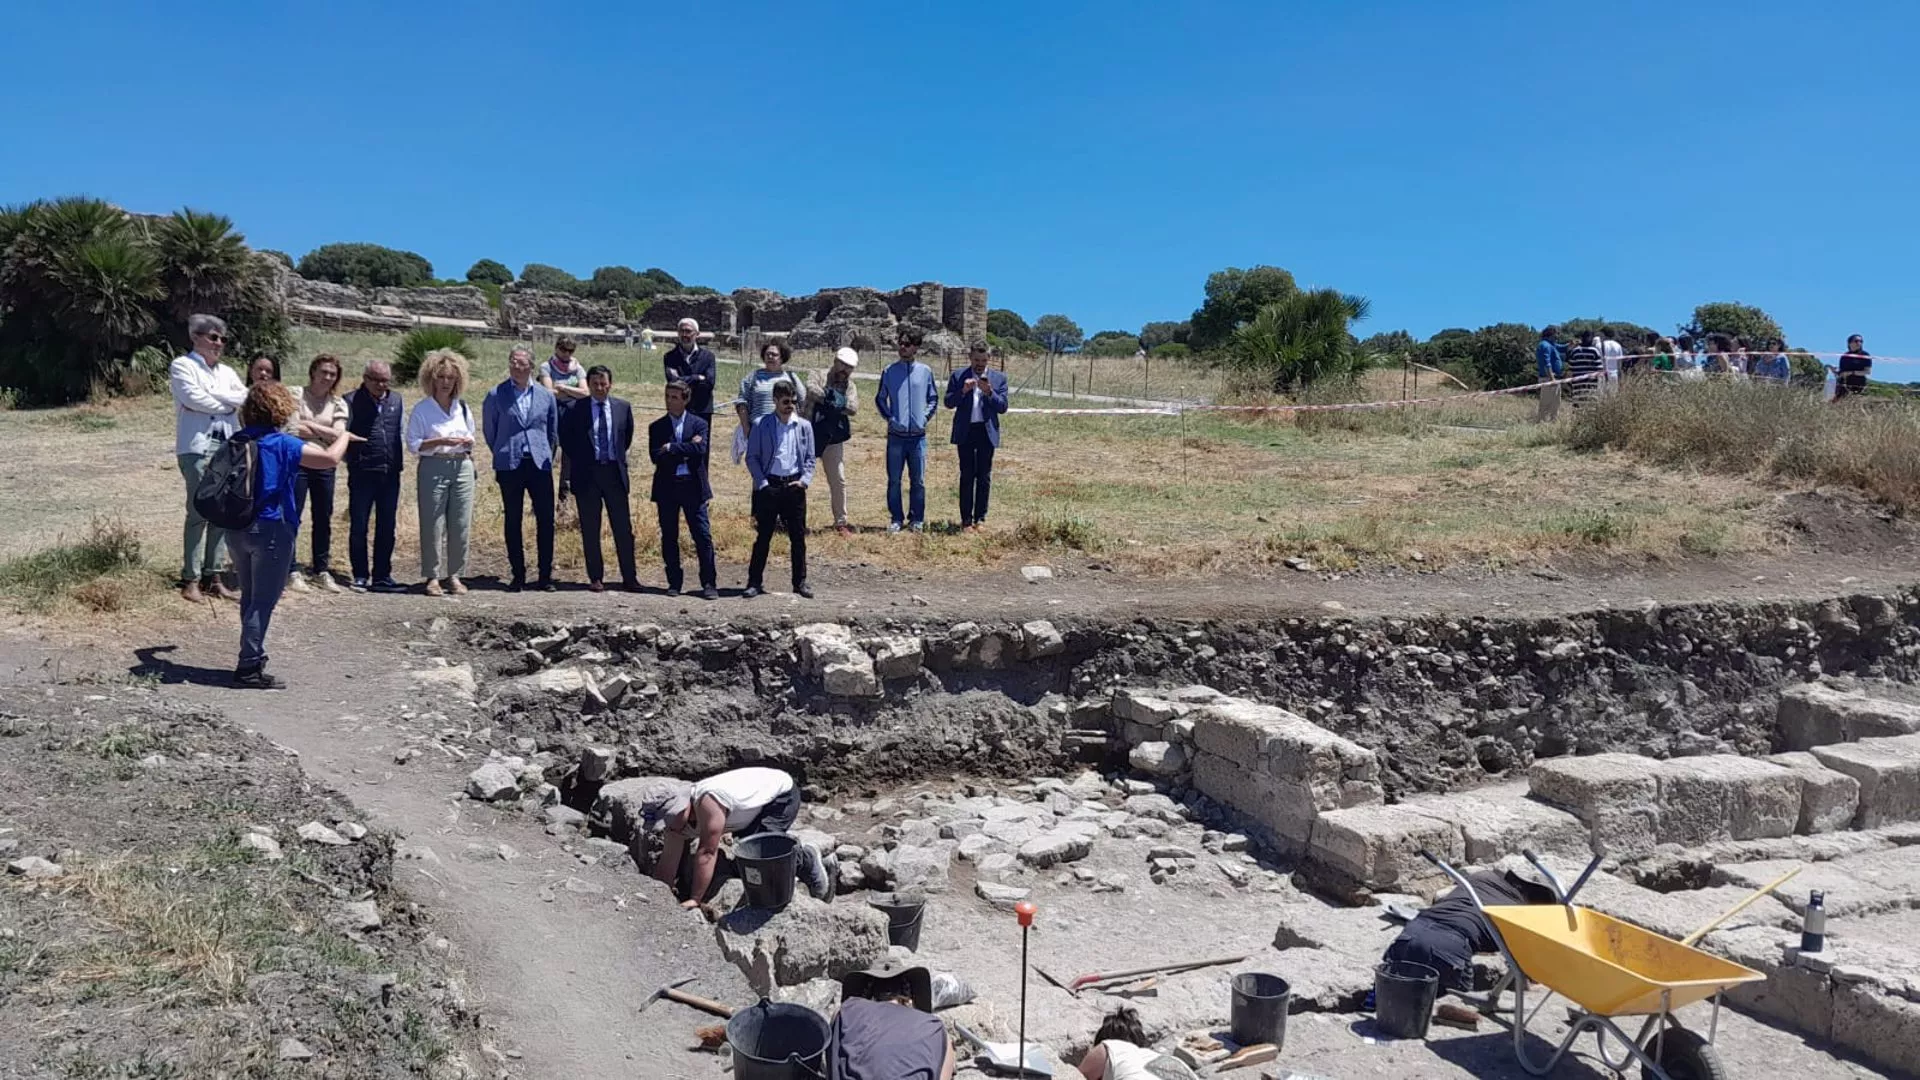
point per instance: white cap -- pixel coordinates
(847, 356)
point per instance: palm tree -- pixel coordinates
(205, 265)
(107, 287)
(1302, 338)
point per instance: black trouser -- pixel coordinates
(782, 504)
(317, 483)
(684, 499)
(596, 484)
(777, 816)
(376, 495)
(976, 473)
(517, 486)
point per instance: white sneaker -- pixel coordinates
(325, 581)
(297, 583)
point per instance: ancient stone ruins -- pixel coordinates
(861, 317)
(1155, 817)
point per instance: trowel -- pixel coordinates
(1003, 1058)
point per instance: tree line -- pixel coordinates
(373, 266)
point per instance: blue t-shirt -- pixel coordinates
(279, 466)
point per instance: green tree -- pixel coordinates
(205, 265)
(616, 282)
(366, 266)
(549, 278)
(79, 287)
(1302, 339)
(489, 272)
(1008, 324)
(1735, 320)
(1631, 336)
(700, 290)
(1172, 350)
(1112, 343)
(1057, 332)
(1156, 334)
(1497, 357)
(661, 282)
(1233, 297)
(1394, 343)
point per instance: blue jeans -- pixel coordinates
(262, 557)
(909, 451)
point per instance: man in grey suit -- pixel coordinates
(522, 424)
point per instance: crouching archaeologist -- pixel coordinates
(741, 802)
(886, 1030)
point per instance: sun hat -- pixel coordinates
(890, 975)
(847, 356)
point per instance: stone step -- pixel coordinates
(1888, 770)
(1816, 714)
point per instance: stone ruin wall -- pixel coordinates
(861, 317)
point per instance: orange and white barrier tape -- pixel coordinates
(1176, 410)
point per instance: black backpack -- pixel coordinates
(228, 494)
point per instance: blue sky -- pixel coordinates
(1460, 164)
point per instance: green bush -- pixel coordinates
(1172, 350)
(111, 546)
(489, 272)
(416, 344)
(1057, 530)
(549, 278)
(366, 266)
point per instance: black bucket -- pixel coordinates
(1260, 1005)
(778, 1042)
(1403, 996)
(767, 864)
(903, 917)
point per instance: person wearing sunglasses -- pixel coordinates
(206, 398)
(374, 466)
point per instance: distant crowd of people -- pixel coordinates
(1599, 358)
(552, 428)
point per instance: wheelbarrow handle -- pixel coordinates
(1458, 877)
(1560, 893)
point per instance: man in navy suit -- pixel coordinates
(522, 424)
(677, 443)
(977, 395)
(595, 435)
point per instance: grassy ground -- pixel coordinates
(1468, 481)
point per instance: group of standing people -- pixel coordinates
(549, 428)
(1599, 359)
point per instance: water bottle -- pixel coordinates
(1813, 928)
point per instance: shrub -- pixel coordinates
(489, 272)
(549, 278)
(366, 266)
(111, 546)
(416, 344)
(1056, 530)
(1301, 339)
(1172, 350)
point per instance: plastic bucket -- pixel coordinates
(1260, 1009)
(778, 1042)
(767, 864)
(903, 917)
(1403, 996)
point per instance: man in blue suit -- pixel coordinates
(977, 395)
(595, 435)
(677, 442)
(521, 420)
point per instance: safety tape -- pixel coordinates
(1176, 410)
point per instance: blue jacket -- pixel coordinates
(511, 438)
(763, 442)
(382, 424)
(960, 400)
(1548, 359)
(907, 398)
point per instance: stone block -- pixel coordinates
(1154, 708)
(1828, 799)
(1725, 797)
(1889, 774)
(1847, 893)
(1814, 714)
(1502, 820)
(807, 940)
(1379, 846)
(1040, 639)
(1056, 846)
(492, 781)
(1614, 795)
(596, 764)
(895, 657)
(1157, 759)
(1286, 810)
(1878, 1026)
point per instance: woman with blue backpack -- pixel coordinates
(270, 460)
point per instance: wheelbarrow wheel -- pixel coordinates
(1686, 1056)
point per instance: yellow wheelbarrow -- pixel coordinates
(1608, 969)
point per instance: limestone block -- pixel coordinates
(1828, 799)
(1039, 639)
(492, 781)
(1288, 748)
(807, 940)
(1889, 774)
(895, 657)
(854, 678)
(1725, 796)
(1502, 820)
(1056, 846)
(1847, 893)
(1615, 795)
(1153, 708)
(1157, 759)
(1878, 1026)
(1379, 846)
(1817, 715)
(1287, 810)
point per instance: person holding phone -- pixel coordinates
(977, 394)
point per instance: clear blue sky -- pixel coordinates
(1460, 164)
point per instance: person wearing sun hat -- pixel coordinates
(831, 409)
(743, 802)
(886, 1030)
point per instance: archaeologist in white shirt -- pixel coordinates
(744, 802)
(206, 399)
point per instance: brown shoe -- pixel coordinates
(594, 586)
(190, 592)
(433, 589)
(456, 586)
(219, 588)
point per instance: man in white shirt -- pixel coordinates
(206, 398)
(744, 802)
(780, 459)
(1611, 353)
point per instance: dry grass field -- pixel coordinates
(1471, 481)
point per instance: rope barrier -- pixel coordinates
(1177, 410)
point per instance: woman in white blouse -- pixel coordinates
(440, 431)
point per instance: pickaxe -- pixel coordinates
(671, 992)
